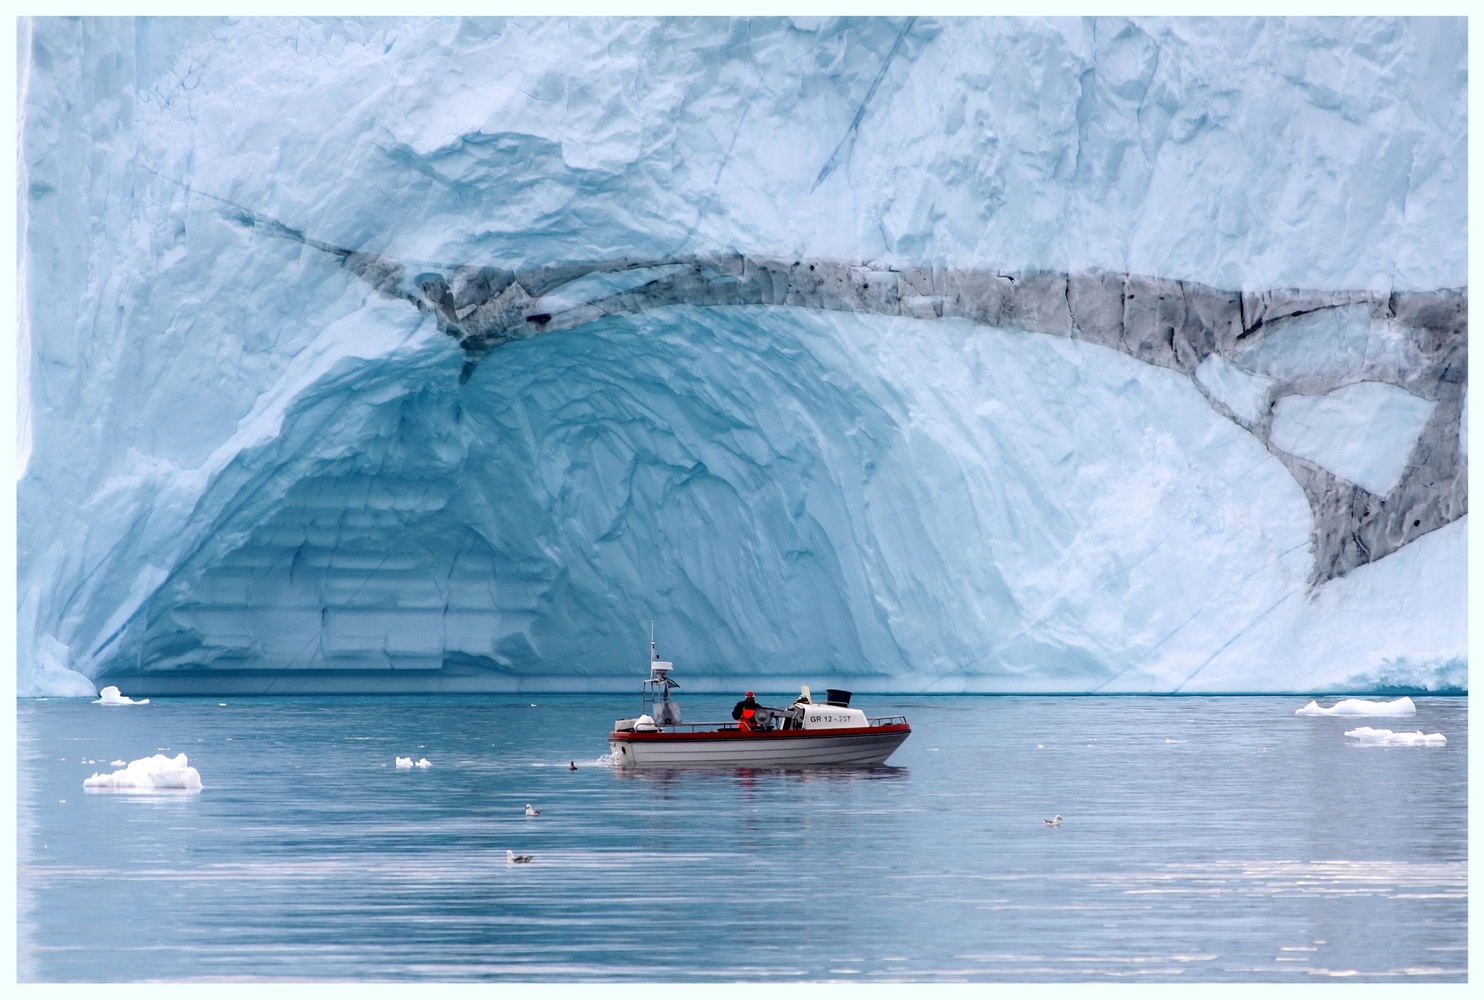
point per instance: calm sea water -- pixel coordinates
(1203, 839)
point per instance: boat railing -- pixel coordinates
(711, 727)
(696, 727)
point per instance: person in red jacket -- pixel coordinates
(745, 712)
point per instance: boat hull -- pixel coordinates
(776, 748)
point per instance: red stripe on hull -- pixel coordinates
(776, 748)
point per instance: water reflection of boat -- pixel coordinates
(801, 735)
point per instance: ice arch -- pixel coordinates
(488, 509)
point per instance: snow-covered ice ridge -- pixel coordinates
(250, 463)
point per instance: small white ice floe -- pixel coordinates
(409, 762)
(1053, 822)
(532, 812)
(111, 696)
(1359, 706)
(511, 858)
(1386, 738)
(149, 774)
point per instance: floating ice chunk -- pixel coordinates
(1359, 706)
(409, 762)
(111, 696)
(1385, 737)
(149, 774)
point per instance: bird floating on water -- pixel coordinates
(511, 858)
(573, 767)
(1053, 822)
(532, 812)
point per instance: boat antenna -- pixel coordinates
(653, 653)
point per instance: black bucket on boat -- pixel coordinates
(836, 697)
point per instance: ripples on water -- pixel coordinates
(1204, 839)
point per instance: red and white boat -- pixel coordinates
(804, 734)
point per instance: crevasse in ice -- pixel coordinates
(253, 458)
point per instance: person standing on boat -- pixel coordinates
(745, 712)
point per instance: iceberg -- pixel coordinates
(149, 774)
(1360, 706)
(408, 762)
(908, 354)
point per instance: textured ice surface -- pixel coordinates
(241, 459)
(1364, 433)
(1385, 737)
(1359, 706)
(149, 774)
(1312, 342)
(1244, 392)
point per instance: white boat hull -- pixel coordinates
(785, 748)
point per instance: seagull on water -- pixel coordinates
(511, 858)
(532, 812)
(1053, 822)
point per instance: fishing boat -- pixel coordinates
(805, 734)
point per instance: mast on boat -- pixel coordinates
(657, 703)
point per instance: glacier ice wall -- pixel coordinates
(257, 461)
